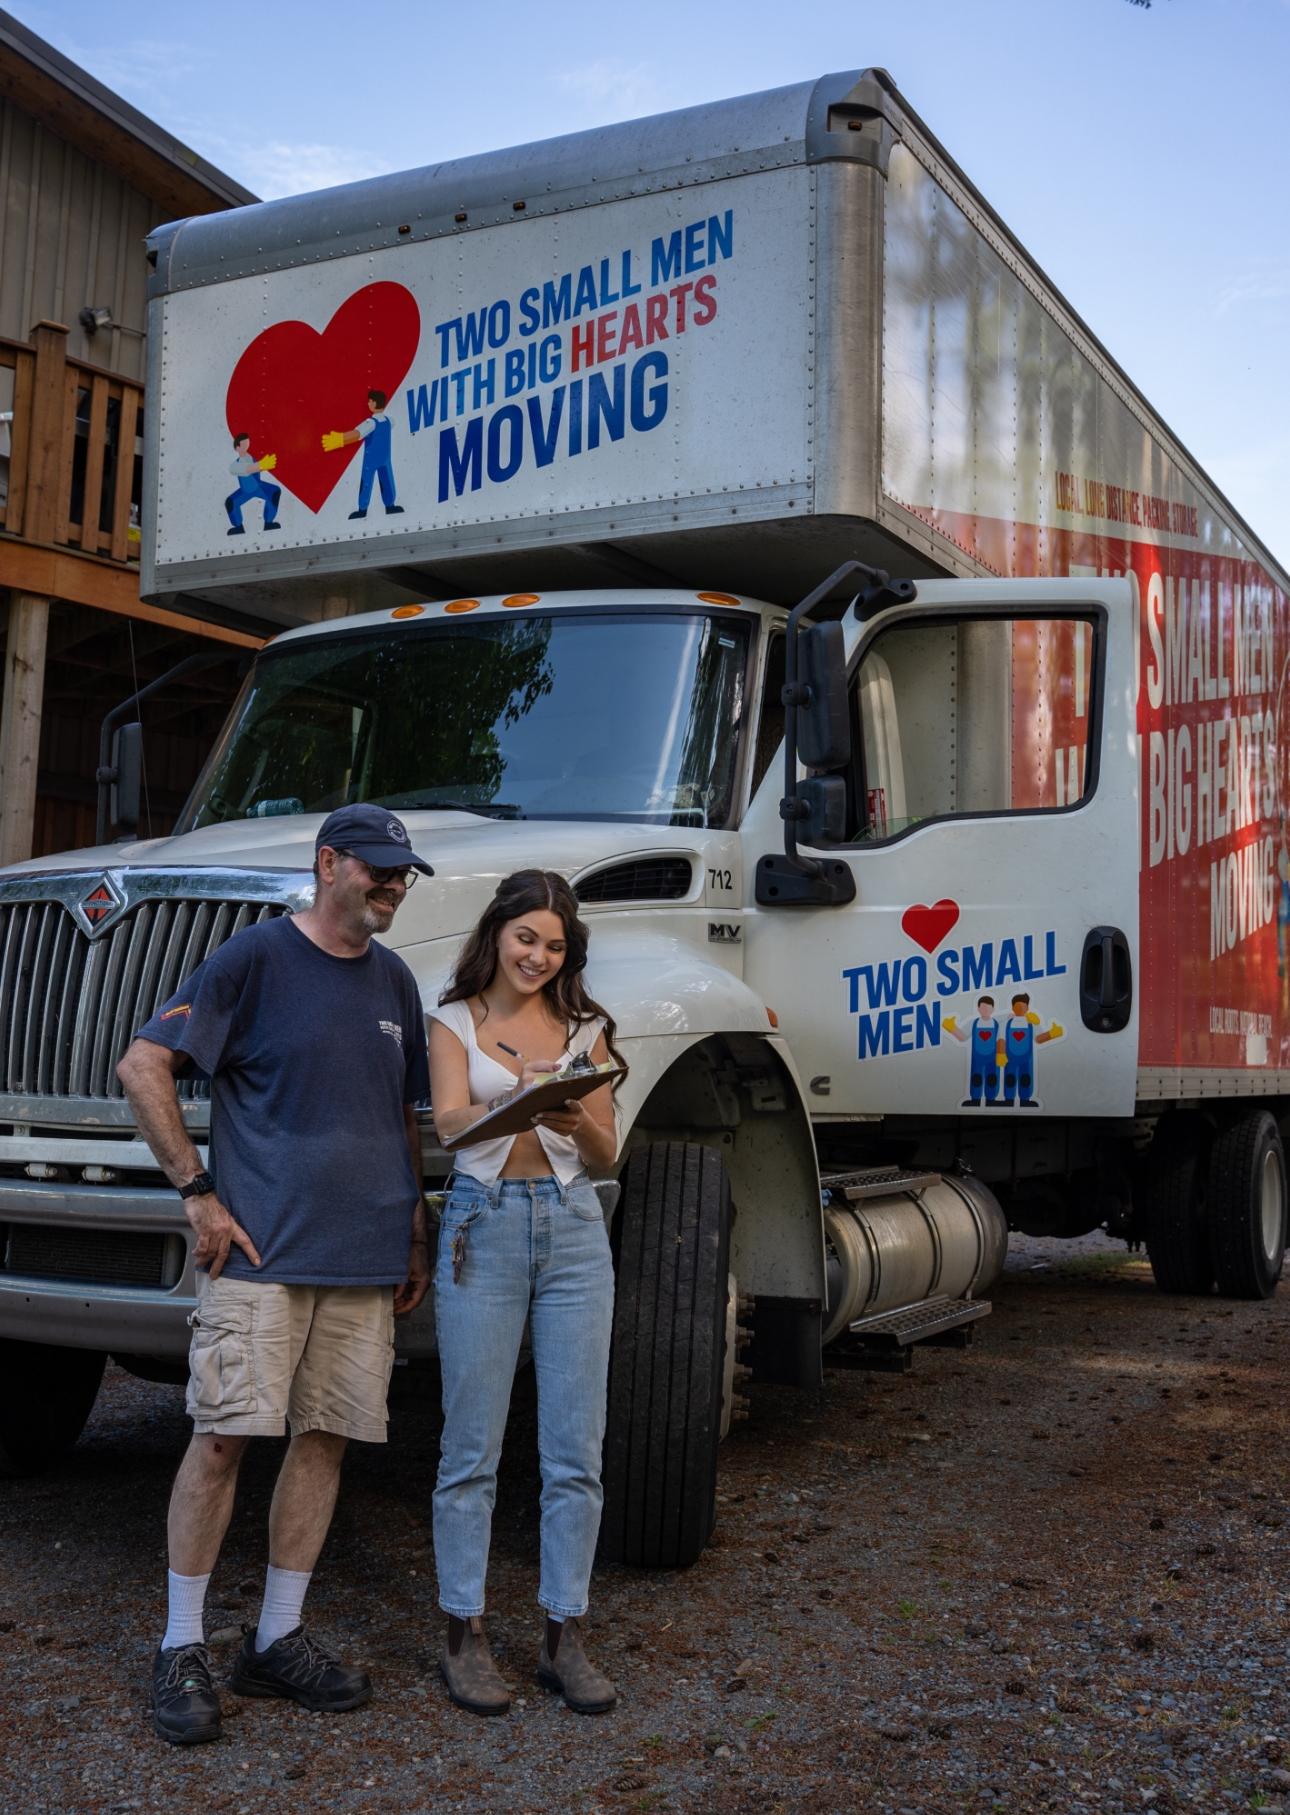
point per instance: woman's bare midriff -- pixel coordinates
(527, 1158)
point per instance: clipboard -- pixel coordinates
(515, 1116)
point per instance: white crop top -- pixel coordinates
(486, 1077)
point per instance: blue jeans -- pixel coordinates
(534, 1250)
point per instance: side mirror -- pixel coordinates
(821, 803)
(127, 780)
(823, 720)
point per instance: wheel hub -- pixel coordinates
(1272, 1206)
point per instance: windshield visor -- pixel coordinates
(567, 716)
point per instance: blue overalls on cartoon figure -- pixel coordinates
(250, 485)
(983, 1062)
(1019, 1061)
(377, 463)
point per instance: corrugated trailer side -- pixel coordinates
(1012, 444)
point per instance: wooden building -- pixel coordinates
(83, 178)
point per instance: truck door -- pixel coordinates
(986, 964)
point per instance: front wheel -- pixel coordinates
(1247, 1214)
(667, 1364)
(46, 1394)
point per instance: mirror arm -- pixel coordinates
(794, 694)
(106, 773)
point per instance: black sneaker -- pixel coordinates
(297, 1667)
(185, 1707)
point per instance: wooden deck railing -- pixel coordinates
(75, 450)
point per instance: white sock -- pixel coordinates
(186, 1601)
(284, 1596)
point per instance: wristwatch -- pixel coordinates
(201, 1186)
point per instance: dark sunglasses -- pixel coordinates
(381, 877)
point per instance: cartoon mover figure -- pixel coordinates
(251, 485)
(983, 1059)
(378, 466)
(1003, 1053)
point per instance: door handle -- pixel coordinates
(1106, 981)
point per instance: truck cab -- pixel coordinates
(634, 739)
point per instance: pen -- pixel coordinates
(503, 1047)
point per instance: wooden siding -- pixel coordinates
(71, 236)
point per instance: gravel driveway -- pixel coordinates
(1049, 1573)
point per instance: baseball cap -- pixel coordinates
(372, 833)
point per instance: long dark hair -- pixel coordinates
(527, 892)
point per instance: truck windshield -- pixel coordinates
(577, 715)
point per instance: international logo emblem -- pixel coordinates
(98, 904)
(95, 908)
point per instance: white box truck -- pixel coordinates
(950, 900)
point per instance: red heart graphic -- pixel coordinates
(927, 926)
(293, 385)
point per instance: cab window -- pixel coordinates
(969, 717)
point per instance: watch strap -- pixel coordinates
(200, 1186)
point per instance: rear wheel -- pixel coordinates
(1247, 1207)
(1176, 1206)
(667, 1367)
(46, 1394)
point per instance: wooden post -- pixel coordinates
(24, 686)
(45, 446)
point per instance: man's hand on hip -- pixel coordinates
(216, 1230)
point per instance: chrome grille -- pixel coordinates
(70, 1005)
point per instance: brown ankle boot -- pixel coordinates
(470, 1673)
(570, 1672)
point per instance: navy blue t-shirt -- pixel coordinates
(311, 1059)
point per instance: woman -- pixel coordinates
(522, 1237)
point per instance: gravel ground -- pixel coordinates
(1049, 1573)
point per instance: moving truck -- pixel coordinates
(724, 509)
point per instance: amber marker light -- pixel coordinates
(407, 611)
(719, 598)
(462, 605)
(772, 1017)
(521, 598)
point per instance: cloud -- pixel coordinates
(610, 89)
(139, 70)
(286, 169)
(1267, 280)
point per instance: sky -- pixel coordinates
(1140, 153)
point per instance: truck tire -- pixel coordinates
(46, 1394)
(1176, 1208)
(667, 1364)
(1247, 1207)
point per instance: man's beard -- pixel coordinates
(376, 916)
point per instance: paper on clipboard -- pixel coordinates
(516, 1114)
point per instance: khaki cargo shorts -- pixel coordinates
(263, 1355)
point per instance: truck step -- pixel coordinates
(886, 1341)
(876, 1181)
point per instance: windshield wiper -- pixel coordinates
(492, 809)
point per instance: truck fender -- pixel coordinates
(738, 1091)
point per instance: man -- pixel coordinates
(314, 1041)
(250, 485)
(376, 436)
